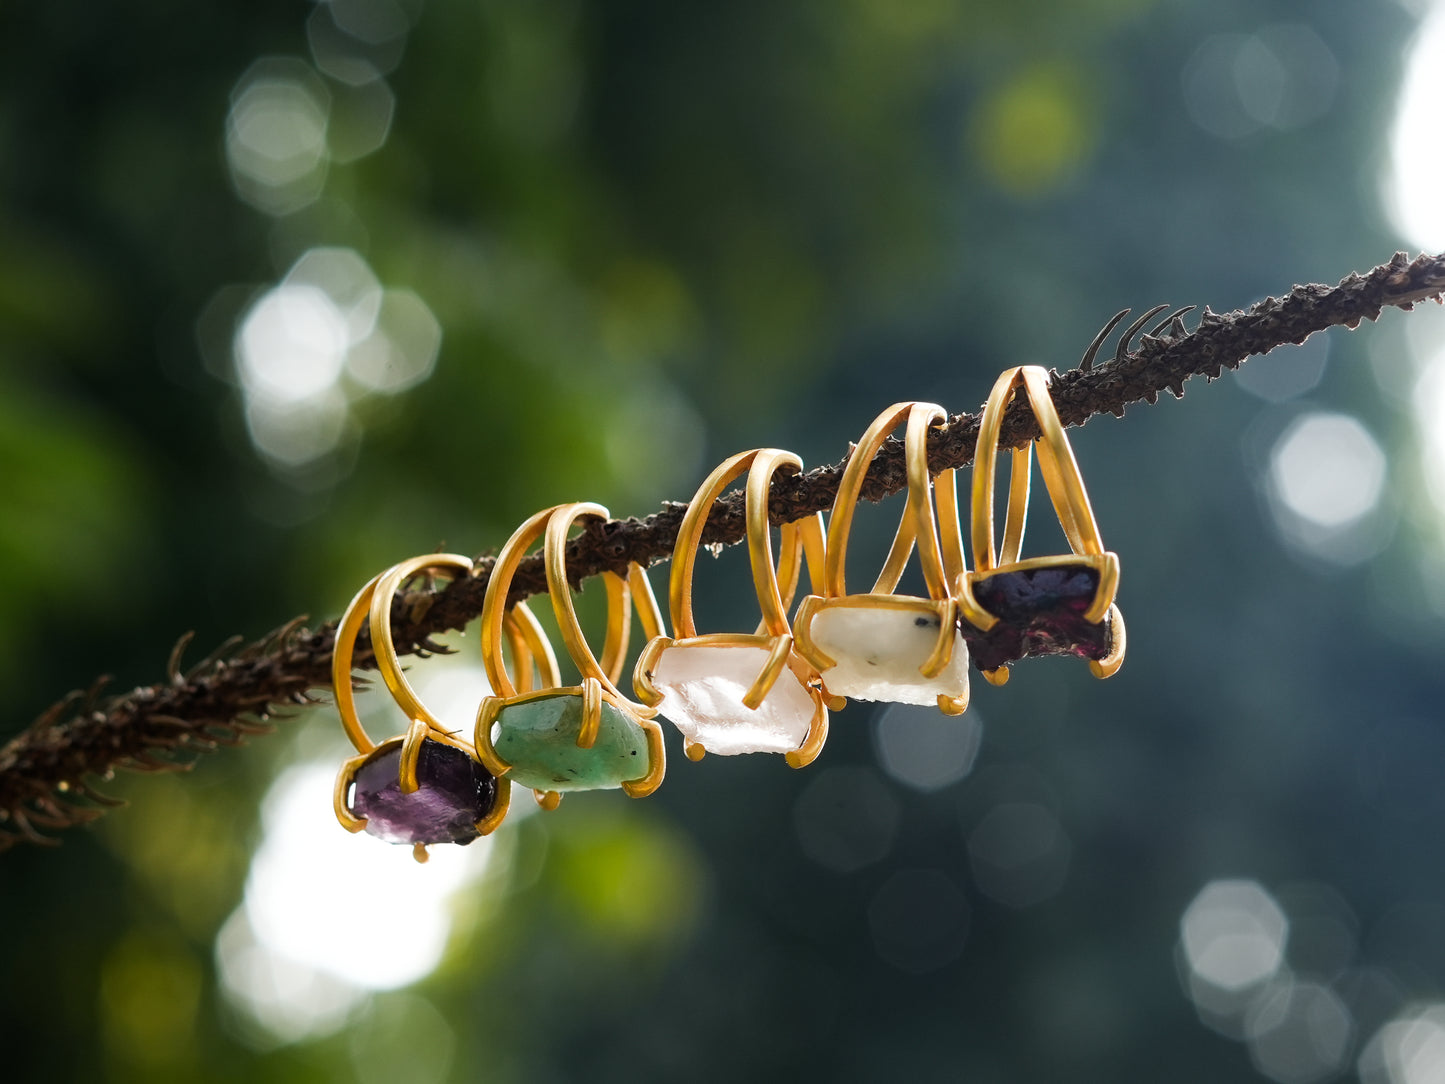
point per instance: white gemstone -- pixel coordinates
(702, 688)
(879, 651)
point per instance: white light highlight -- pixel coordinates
(329, 916)
(1233, 935)
(295, 434)
(402, 351)
(292, 344)
(1429, 406)
(924, 749)
(1408, 1050)
(1417, 141)
(276, 135)
(327, 334)
(1299, 1033)
(319, 897)
(1327, 470)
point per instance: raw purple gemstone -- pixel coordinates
(1040, 612)
(454, 793)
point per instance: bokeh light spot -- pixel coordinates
(1299, 1032)
(329, 916)
(292, 344)
(1019, 854)
(923, 749)
(1408, 1050)
(1289, 372)
(845, 819)
(1281, 77)
(401, 1036)
(328, 333)
(1233, 934)
(401, 352)
(1326, 474)
(276, 135)
(349, 285)
(919, 920)
(1035, 130)
(1417, 153)
(360, 120)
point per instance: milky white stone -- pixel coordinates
(879, 652)
(702, 688)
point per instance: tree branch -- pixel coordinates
(45, 769)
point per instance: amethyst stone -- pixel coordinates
(454, 793)
(1040, 612)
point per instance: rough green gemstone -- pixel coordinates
(538, 738)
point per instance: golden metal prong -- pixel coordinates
(547, 799)
(642, 683)
(345, 648)
(411, 753)
(694, 750)
(649, 614)
(802, 633)
(344, 778)
(591, 713)
(379, 616)
(772, 670)
(953, 705)
(492, 821)
(942, 653)
(1109, 665)
(418, 851)
(817, 735)
(997, 676)
(1108, 588)
(834, 701)
(482, 737)
(619, 625)
(969, 606)
(656, 763)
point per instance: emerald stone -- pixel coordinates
(538, 738)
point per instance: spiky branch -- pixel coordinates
(46, 770)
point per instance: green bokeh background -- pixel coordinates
(655, 234)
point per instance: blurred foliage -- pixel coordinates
(654, 234)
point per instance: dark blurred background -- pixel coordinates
(289, 292)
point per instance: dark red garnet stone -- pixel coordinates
(454, 793)
(1040, 612)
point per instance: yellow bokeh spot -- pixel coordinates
(1032, 133)
(149, 991)
(630, 880)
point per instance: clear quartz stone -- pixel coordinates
(879, 651)
(702, 688)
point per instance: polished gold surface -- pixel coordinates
(1056, 462)
(596, 685)
(774, 583)
(763, 465)
(342, 653)
(494, 605)
(649, 614)
(1109, 665)
(1070, 499)
(340, 793)
(619, 625)
(382, 644)
(939, 541)
(939, 554)
(500, 804)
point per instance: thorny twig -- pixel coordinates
(45, 770)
